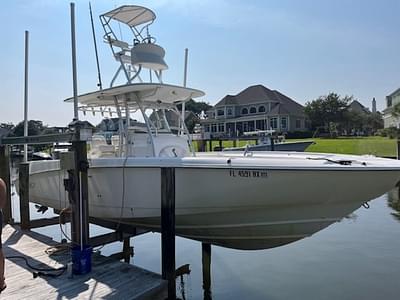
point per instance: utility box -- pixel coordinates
(67, 160)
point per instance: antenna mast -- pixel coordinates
(99, 84)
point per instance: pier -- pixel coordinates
(109, 279)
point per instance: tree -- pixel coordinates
(195, 107)
(327, 111)
(35, 127)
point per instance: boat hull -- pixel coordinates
(243, 208)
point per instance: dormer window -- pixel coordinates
(245, 111)
(261, 109)
(253, 110)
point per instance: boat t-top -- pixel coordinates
(243, 199)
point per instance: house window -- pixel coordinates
(260, 125)
(245, 111)
(261, 109)
(273, 123)
(283, 123)
(251, 125)
(221, 127)
(220, 112)
(207, 128)
(298, 123)
(229, 111)
(389, 101)
(213, 127)
(253, 110)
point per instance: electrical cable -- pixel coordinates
(47, 272)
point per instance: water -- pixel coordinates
(357, 258)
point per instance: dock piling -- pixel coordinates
(5, 175)
(206, 266)
(168, 229)
(24, 196)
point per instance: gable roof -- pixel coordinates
(394, 93)
(260, 94)
(358, 107)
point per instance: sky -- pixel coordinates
(304, 49)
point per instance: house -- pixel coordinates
(388, 119)
(357, 107)
(254, 108)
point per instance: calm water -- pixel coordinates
(358, 258)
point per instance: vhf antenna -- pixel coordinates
(99, 84)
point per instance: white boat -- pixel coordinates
(243, 200)
(268, 141)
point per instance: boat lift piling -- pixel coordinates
(5, 175)
(206, 268)
(168, 229)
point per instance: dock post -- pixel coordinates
(127, 250)
(24, 196)
(206, 266)
(5, 175)
(80, 205)
(168, 229)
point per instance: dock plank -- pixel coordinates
(109, 279)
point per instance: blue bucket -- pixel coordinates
(81, 260)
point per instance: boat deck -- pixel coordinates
(109, 279)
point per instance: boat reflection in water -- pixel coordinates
(394, 202)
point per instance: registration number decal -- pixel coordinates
(248, 173)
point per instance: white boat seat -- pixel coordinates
(150, 56)
(126, 59)
(117, 43)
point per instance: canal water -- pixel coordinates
(357, 258)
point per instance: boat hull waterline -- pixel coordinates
(231, 203)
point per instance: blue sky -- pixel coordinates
(302, 48)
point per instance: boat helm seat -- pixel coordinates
(150, 56)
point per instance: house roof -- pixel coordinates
(260, 94)
(394, 93)
(358, 107)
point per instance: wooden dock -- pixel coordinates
(109, 279)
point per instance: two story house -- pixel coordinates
(255, 108)
(388, 119)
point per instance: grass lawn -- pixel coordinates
(379, 146)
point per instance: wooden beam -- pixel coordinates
(39, 139)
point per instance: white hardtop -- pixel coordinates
(150, 93)
(131, 15)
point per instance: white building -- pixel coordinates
(388, 119)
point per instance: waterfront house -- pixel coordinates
(388, 119)
(254, 108)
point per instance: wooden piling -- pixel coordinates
(24, 195)
(5, 175)
(206, 266)
(168, 229)
(79, 197)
